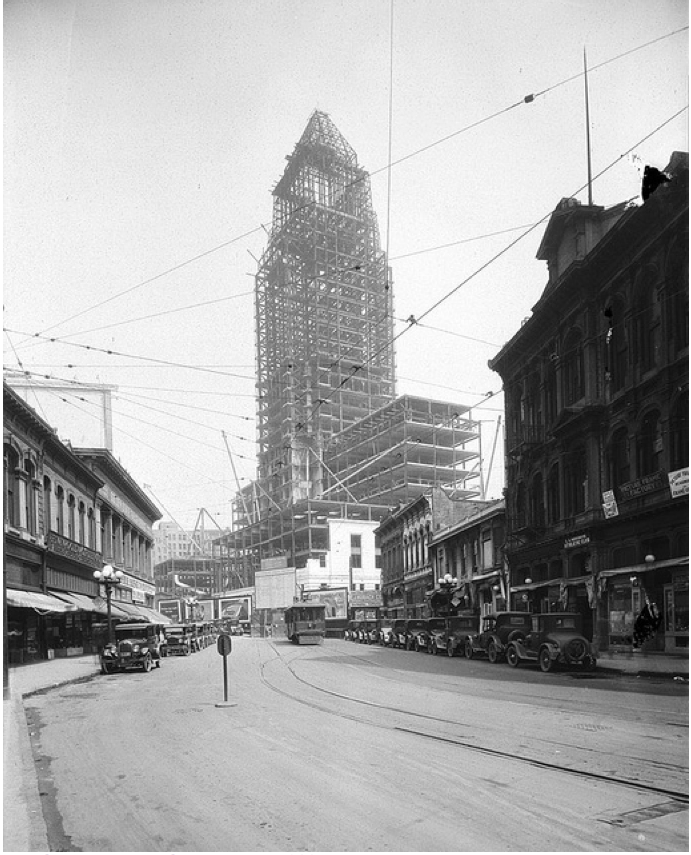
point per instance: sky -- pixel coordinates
(143, 139)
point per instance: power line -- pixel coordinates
(112, 352)
(526, 100)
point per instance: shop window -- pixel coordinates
(624, 603)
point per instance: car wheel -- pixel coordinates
(146, 665)
(187, 651)
(469, 650)
(492, 653)
(107, 667)
(512, 657)
(545, 660)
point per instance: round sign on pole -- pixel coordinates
(224, 644)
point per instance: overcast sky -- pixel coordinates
(143, 138)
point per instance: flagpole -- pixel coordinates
(587, 129)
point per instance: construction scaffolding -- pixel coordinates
(324, 314)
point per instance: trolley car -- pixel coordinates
(305, 623)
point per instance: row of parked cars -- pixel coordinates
(141, 646)
(549, 639)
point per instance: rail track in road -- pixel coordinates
(678, 798)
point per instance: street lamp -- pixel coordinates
(110, 577)
(448, 583)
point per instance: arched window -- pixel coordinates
(82, 523)
(520, 505)
(30, 497)
(575, 480)
(650, 444)
(47, 504)
(616, 344)
(11, 485)
(648, 321)
(553, 501)
(677, 288)
(618, 458)
(537, 503)
(91, 528)
(71, 509)
(550, 381)
(679, 433)
(573, 372)
(60, 510)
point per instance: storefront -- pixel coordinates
(29, 614)
(646, 607)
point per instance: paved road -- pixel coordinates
(350, 748)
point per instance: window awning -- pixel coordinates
(82, 602)
(132, 611)
(154, 616)
(39, 602)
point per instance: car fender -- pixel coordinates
(554, 649)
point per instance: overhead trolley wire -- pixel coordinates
(526, 100)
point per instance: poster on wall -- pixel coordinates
(170, 608)
(336, 601)
(235, 608)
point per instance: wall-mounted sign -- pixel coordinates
(679, 482)
(641, 486)
(609, 505)
(577, 540)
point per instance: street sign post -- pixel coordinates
(224, 646)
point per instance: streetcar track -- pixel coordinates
(676, 795)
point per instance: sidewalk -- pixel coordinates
(24, 828)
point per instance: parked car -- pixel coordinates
(555, 639)
(136, 645)
(497, 630)
(452, 637)
(353, 630)
(371, 632)
(414, 634)
(386, 632)
(398, 633)
(424, 639)
(179, 639)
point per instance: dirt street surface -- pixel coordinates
(345, 747)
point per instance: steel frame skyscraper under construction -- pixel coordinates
(324, 314)
(335, 445)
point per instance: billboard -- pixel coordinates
(204, 610)
(275, 588)
(335, 600)
(169, 608)
(235, 608)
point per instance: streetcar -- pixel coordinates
(305, 623)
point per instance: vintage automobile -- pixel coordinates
(424, 639)
(555, 639)
(386, 632)
(179, 639)
(137, 645)
(398, 633)
(415, 629)
(371, 632)
(497, 630)
(351, 633)
(451, 638)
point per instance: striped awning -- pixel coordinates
(39, 602)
